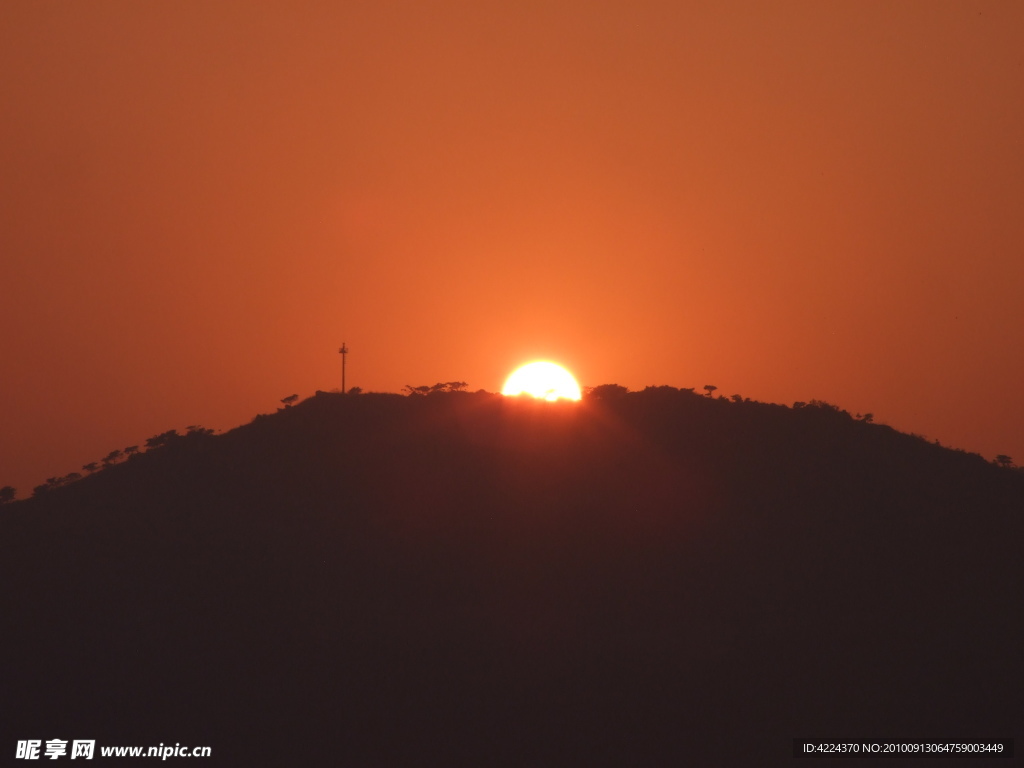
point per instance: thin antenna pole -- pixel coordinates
(344, 352)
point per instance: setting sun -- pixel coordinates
(548, 381)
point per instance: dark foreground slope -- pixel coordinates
(460, 579)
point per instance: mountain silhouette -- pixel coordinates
(642, 578)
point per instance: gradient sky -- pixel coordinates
(790, 200)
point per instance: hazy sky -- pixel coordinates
(790, 200)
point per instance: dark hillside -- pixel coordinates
(648, 578)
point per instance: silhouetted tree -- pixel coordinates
(441, 386)
(111, 458)
(92, 466)
(355, 390)
(737, 398)
(710, 389)
(158, 441)
(289, 401)
(198, 429)
(606, 392)
(7, 494)
(1003, 460)
(51, 483)
(823, 405)
(131, 450)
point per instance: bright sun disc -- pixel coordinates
(543, 380)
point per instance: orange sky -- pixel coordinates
(790, 200)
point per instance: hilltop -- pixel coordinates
(461, 578)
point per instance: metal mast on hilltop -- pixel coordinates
(344, 352)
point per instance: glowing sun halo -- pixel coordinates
(543, 380)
